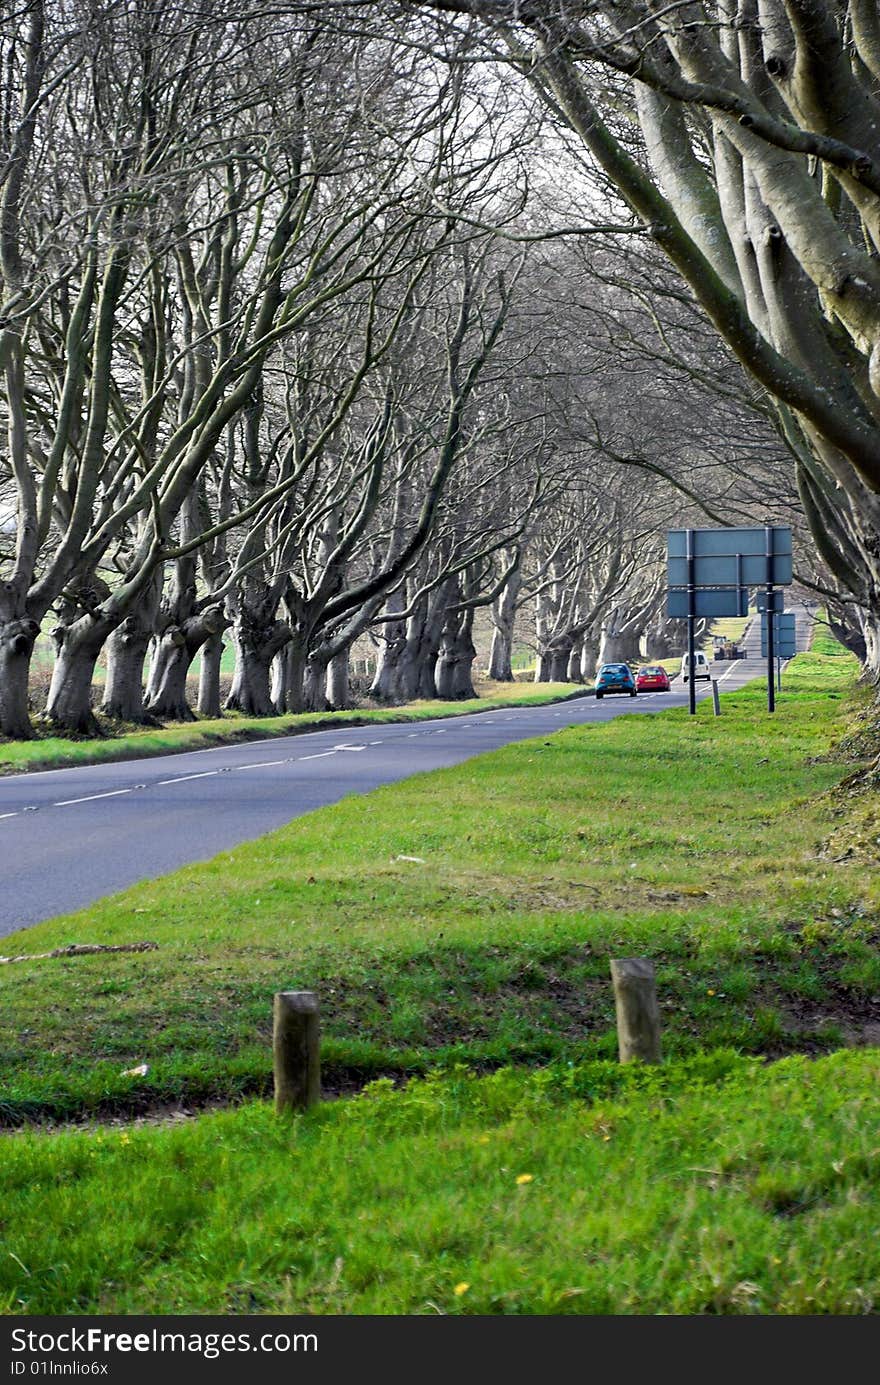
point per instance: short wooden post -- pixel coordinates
(296, 1050)
(638, 1014)
(716, 701)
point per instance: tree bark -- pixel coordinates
(503, 619)
(123, 690)
(255, 648)
(315, 685)
(620, 648)
(209, 677)
(172, 660)
(558, 660)
(17, 638)
(338, 687)
(455, 659)
(69, 706)
(589, 660)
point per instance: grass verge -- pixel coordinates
(700, 842)
(130, 743)
(715, 1185)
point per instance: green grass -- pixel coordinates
(715, 1186)
(524, 1171)
(57, 752)
(699, 842)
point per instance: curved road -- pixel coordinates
(71, 836)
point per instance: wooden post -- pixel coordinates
(638, 1014)
(296, 1051)
(716, 701)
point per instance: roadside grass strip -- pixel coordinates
(468, 916)
(713, 1186)
(48, 751)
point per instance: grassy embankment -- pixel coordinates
(48, 751)
(718, 1182)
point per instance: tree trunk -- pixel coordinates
(589, 659)
(542, 667)
(254, 651)
(386, 686)
(503, 617)
(620, 648)
(338, 688)
(455, 660)
(289, 676)
(69, 706)
(209, 677)
(573, 671)
(123, 690)
(315, 684)
(172, 659)
(17, 639)
(557, 662)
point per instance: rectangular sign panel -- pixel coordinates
(777, 601)
(721, 542)
(784, 638)
(727, 557)
(708, 602)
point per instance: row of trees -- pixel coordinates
(303, 340)
(743, 136)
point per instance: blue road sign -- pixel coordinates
(777, 601)
(709, 602)
(731, 557)
(784, 636)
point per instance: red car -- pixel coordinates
(652, 678)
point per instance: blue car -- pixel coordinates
(615, 678)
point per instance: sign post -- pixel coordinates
(709, 573)
(771, 671)
(692, 621)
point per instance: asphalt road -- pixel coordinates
(71, 836)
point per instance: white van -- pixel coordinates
(701, 667)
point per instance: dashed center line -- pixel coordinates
(258, 764)
(319, 756)
(206, 774)
(89, 798)
(8, 815)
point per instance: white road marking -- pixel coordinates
(349, 747)
(375, 742)
(8, 815)
(90, 798)
(319, 756)
(729, 671)
(258, 764)
(206, 774)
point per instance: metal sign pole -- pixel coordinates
(691, 620)
(771, 622)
